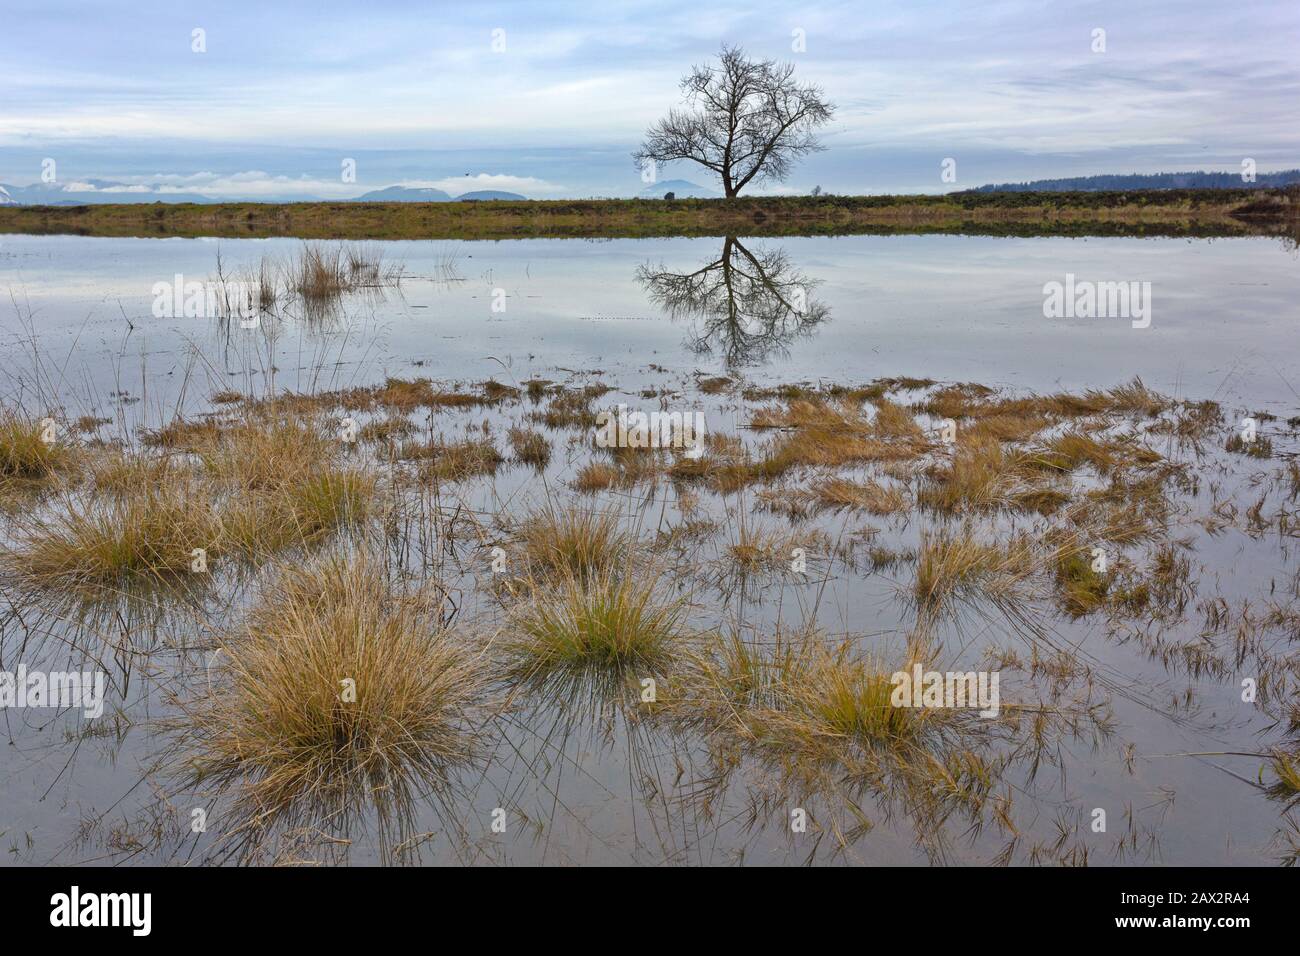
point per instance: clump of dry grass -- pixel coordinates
(265, 283)
(1081, 589)
(811, 413)
(1005, 428)
(623, 468)
(282, 487)
(753, 549)
(318, 274)
(118, 471)
(756, 549)
(894, 421)
(298, 513)
(832, 434)
(595, 476)
(364, 265)
(884, 559)
(530, 447)
(714, 385)
(570, 407)
(595, 637)
(25, 453)
(574, 542)
(806, 705)
(89, 424)
(721, 457)
(1190, 421)
(90, 546)
(957, 565)
(324, 272)
(339, 693)
(983, 475)
(183, 434)
(840, 494)
(396, 395)
(1260, 447)
(1135, 397)
(968, 400)
(387, 430)
(1286, 768)
(855, 394)
(1072, 449)
(404, 395)
(817, 447)
(494, 391)
(454, 460)
(260, 454)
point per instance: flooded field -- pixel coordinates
(646, 551)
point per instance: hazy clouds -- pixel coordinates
(416, 92)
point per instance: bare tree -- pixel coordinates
(746, 120)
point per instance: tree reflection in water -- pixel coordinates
(746, 305)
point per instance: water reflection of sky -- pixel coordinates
(946, 307)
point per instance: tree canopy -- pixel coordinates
(745, 120)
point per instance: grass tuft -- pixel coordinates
(574, 542)
(604, 632)
(276, 727)
(25, 454)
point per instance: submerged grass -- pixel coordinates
(820, 714)
(458, 460)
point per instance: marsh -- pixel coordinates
(906, 468)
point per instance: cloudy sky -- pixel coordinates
(415, 92)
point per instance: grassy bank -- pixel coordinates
(1230, 212)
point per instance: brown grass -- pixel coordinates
(25, 455)
(442, 460)
(272, 728)
(872, 497)
(957, 566)
(530, 447)
(573, 542)
(93, 546)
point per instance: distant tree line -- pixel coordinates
(1194, 180)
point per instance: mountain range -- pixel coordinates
(87, 191)
(429, 194)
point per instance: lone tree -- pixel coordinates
(746, 120)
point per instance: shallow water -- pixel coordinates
(941, 307)
(945, 307)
